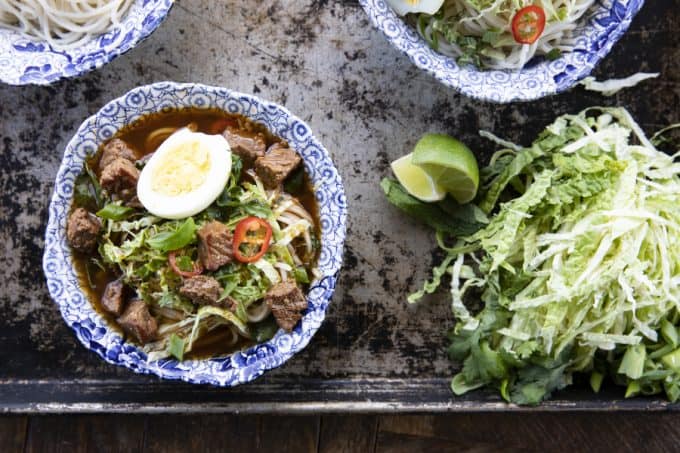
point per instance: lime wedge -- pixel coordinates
(450, 164)
(416, 181)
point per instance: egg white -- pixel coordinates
(403, 7)
(186, 204)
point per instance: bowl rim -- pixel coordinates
(65, 290)
(570, 79)
(160, 12)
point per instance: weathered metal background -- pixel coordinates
(368, 105)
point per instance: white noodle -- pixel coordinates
(158, 136)
(63, 24)
(258, 311)
(293, 253)
(462, 18)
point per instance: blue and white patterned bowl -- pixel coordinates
(596, 35)
(24, 62)
(92, 329)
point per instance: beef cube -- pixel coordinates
(119, 178)
(275, 166)
(113, 300)
(247, 145)
(215, 248)
(201, 290)
(82, 229)
(138, 322)
(116, 149)
(287, 304)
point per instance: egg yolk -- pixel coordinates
(181, 170)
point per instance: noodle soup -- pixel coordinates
(503, 34)
(203, 285)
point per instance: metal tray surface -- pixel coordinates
(368, 105)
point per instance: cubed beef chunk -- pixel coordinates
(275, 166)
(119, 178)
(113, 300)
(138, 322)
(287, 304)
(116, 149)
(201, 290)
(247, 145)
(214, 245)
(82, 229)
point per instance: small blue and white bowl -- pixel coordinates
(92, 329)
(24, 61)
(596, 34)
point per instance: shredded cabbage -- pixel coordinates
(292, 231)
(578, 270)
(612, 86)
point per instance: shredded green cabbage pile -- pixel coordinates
(578, 268)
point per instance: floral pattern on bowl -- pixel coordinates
(23, 61)
(92, 329)
(596, 35)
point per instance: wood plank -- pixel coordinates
(288, 433)
(201, 433)
(571, 432)
(85, 433)
(12, 433)
(340, 434)
(231, 433)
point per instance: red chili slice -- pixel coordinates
(172, 260)
(528, 24)
(218, 126)
(252, 234)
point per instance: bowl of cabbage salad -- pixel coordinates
(504, 50)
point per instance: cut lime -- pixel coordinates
(450, 164)
(416, 181)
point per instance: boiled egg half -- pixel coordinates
(402, 7)
(185, 174)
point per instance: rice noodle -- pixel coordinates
(296, 259)
(471, 18)
(63, 24)
(258, 311)
(288, 210)
(169, 313)
(158, 136)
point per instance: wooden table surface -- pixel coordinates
(368, 104)
(575, 432)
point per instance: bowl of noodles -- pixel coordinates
(214, 283)
(504, 50)
(42, 41)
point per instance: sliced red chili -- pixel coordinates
(251, 239)
(218, 126)
(528, 24)
(172, 260)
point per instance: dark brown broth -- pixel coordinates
(93, 280)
